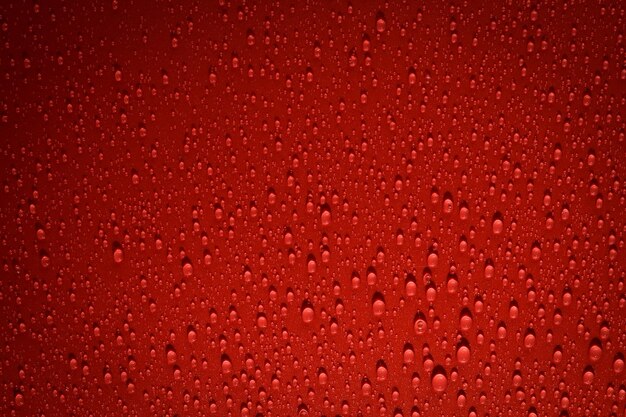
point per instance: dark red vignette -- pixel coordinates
(258, 208)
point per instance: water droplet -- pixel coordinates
(463, 354)
(378, 305)
(227, 365)
(439, 380)
(326, 217)
(118, 255)
(588, 376)
(420, 325)
(187, 268)
(595, 350)
(529, 339)
(497, 226)
(380, 25)
(618, 364)
(381, 371)
(307, 314)
(366, 388)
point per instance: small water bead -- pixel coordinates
(452, 284)
(567, 297)
(366, 388)
(250, 38)
(378, 305)
(501, 332)
(326, 217)
(595, 351)
(463, 354)
(334, 328)
(227, 365)
(415, 381)
(529, 340)
(489, 271)
(325, 255)
(409, 354)
(381, 371)
(171, 356)
(557, 318)
(288, 238)
(497, 226)
(439, 381)
(588, 376)
(536, 252)
(618, 364)
(247, 274)
(461, 399)
(398, 184)
(262, 321)
(431, 293)
(410, 287)
(478, 305)
(517, 378)
(219, 213)
(380, 25)
(420, 326)
(604, 332)
(322, 377)
(465, 322)
(366, 44)
(307, 314)
(371, 276)
(192, 336)
(463, 245)
(45, 261)
(118, 255)
(464, 213)
(432, 260)
(187, 268)
(434, 196)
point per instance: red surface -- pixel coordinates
(256, 209)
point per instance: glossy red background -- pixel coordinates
(183, 182)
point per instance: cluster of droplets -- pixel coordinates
(329, 210)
